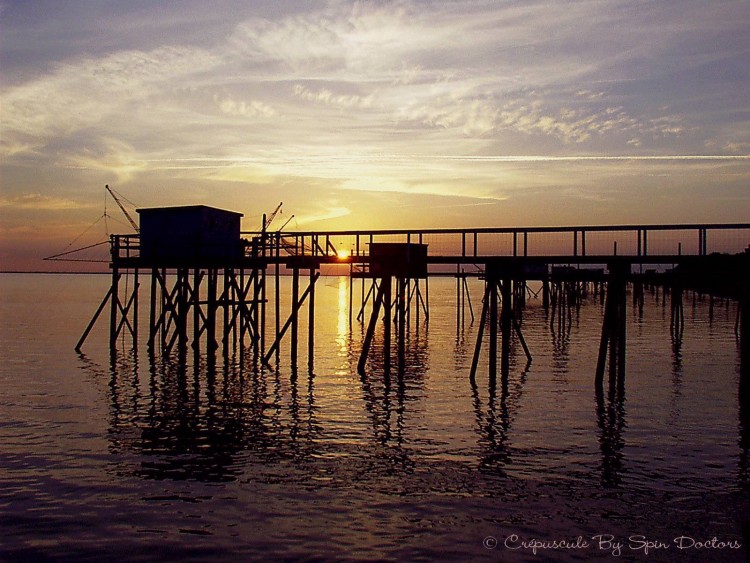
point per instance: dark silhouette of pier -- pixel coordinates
(209, 282)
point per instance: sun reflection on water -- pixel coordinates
(342, 324)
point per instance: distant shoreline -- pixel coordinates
(55, 273)
(282, 274)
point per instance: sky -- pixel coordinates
(404, 114)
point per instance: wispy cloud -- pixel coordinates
(41, 202)
(251, 108)
(325, 96)
(324, 215)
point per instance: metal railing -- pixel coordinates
(466, 244)
(582, 241)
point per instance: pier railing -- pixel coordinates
(583, 241)
(636, 241)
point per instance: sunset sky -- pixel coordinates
(371, 114)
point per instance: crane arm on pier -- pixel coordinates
(122, 208)
(271, 217)
(285, 224)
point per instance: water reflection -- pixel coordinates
(610, 415)
(197, 424)
(196, 420)
(493, 423)
(744, 426)
(676, 379)
(386, 395)
(560, 326)
(190, 421)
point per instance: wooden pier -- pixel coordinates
(209, 282)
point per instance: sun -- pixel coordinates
(343, 254)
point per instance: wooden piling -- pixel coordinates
(277, 291)
(480, 334)
(387, 323)
(311, 322)
(263, 305)
(378, 301)
(294, 314)
(614, 325)
(134, 298)
(744, 336)
(493, 282)
(93, 320)
(213, 281)
(402, 306)
(196, 310)
(506, 319)
(351, 294)
(115, 303)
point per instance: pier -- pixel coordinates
(211, 284)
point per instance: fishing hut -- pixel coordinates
(198, 261)
(195, 235)
(406, 264)
(186, 248)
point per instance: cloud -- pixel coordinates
(324, 215)
(93, 93)
(251, 109)
(111, 156)
(477, 70)
(325, 96)
(41, 202)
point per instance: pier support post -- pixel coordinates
(497, 292)
(614, 327)
(263, 304)
(226, 301)
(213, 281)
(378, 301)
(506, 319)
(387, 324)
(459, 308)
(134, 299)
(297, 303)
(480, 334)
(744, 329)
(277, 291)
(119, 313)
(255, 310)
(295, 316)
(93, 320)
(402, 317)
(677, 315)
(351, 294)
(152, 311)
(182, 310)
(167, 307)
(115, 303)
(196, 310)
(492, 281)
(311, 322)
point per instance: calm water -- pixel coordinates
(141, 461)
